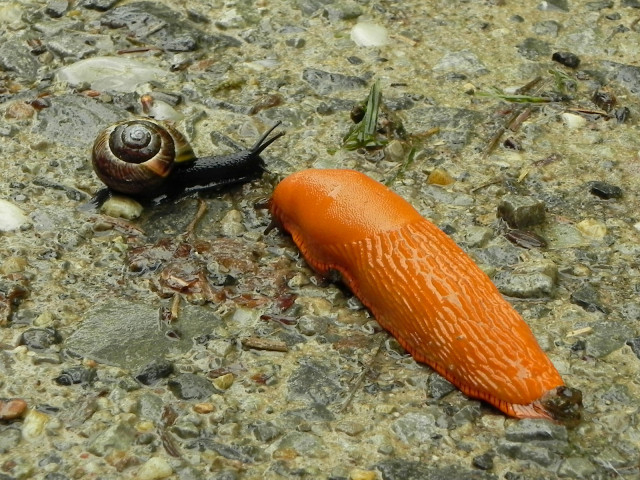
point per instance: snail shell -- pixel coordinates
(136, 156)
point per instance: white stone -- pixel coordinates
(367, 34)
(573, 121)
(110, 73)
(11, 217)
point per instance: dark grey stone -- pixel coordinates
(265, 431)
(534, 48)
(398, 469)
(76, 375)
(628, 76)
(309, 7)
(438, 386)
(528, 451)
(154, 371)
(40, 338)
(576, 468)
(100, 5)
(529, 285)
(324, 83)
(313, 413)
(456, 126)
(415, 428)
(73, 45)
(599, 5)
(157, 24)
(186, 430)
(605, 190)
(304, 443)
(567, 59)
(587, 297)
(607, 337)
(521, 210)
(498, 255)
(484, 461)
(117, 437)
(634, 343)
(546, 27)
(15, 56)
(310, 325)
(189, 386)
(554, 5)
(128, 335)
(150, 406)
(528, 429)
(70, 114)
(56, 8)
(241, 453)
(343, 11)
(313, 382)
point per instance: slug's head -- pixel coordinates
(563, 404)
(136, 157)
(338, 206)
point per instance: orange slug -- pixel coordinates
(423, 289)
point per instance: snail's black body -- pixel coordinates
(207, 173)
(133, 158)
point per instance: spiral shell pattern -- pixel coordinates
(136, 156)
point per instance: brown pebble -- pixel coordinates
(19, 111)
(439, 176)
(203, 407)
(12, 409)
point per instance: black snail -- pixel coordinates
(145, 159)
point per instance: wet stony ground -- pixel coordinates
(151, 348)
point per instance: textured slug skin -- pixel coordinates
(419, 285)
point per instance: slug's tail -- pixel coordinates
(562, 404)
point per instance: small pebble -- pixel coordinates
(358, 474)
(56, 8)
(604, 99)
(350, 428)
(40, 338)
(34, 423)
(155, 468)
(521, 211)
(75, 375)
(573, 121)
(483, 462)
(204, 408)
(231, 224)
(19, 111)
(12, 409)
(567, 59)
(587, 297)
(223, 382)
(439, 176)
(605, 190)
(592, 228)
(13, 264)
(122, 207)
(154, 371)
